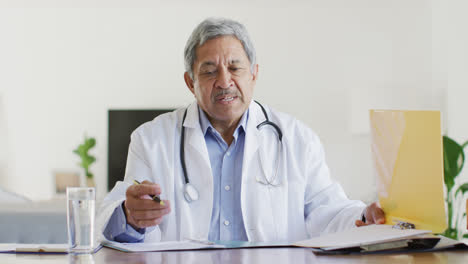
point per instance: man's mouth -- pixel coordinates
(227, 99)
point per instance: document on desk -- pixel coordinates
(361, 236)
(34, 248)
(162, 246)
(38, 248)
(355, 237)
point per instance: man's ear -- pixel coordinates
(255, 73)
(189, 82)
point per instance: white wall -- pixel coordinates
(3, 139)
(458, 69)
(64, 65)
(457, 65)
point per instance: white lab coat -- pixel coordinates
(270, 213)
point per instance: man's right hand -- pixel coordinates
(140, 210)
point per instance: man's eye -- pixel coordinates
(234, 69)
(209, 72)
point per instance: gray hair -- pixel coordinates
(212, 28)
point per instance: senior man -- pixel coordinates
(227, 167)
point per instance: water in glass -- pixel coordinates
(81, 213)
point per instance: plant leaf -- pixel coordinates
(454, 158)
(89, 143)
(463, 188)
(451, 233)
(448, 178)
(86, 159)
(465, 236)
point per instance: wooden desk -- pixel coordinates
(254, 256)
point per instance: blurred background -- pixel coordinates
(65, 64)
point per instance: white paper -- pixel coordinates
(355, 237)
(7, 247)
(161, 246)
(446, 242)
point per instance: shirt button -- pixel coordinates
(227, 187)
(228, 153)
(226, 223)
(124, 226)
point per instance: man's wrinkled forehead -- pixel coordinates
(236, 52)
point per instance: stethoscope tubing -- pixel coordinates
(182, 149)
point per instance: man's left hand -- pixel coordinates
(373, 214)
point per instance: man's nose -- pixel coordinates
(224, 80)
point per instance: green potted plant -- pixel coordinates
(86, 158)
(454, 159)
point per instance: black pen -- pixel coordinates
(154, 197)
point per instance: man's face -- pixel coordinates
(223, 83)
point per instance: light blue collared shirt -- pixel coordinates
(119, 230)
(226, 165)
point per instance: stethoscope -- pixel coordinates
(191, 193)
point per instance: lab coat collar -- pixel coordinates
(192, 118)
(252, 136)
(195, 135)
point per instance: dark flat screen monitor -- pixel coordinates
(121, 125)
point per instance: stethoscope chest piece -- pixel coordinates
(190, 193)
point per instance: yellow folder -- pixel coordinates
(407, 151)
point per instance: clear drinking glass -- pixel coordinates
(80, 219)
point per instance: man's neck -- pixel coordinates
(226, 129)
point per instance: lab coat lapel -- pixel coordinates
(199, 173)
(252, 137)
(259, 205)
(249, 169)
(194, 134)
